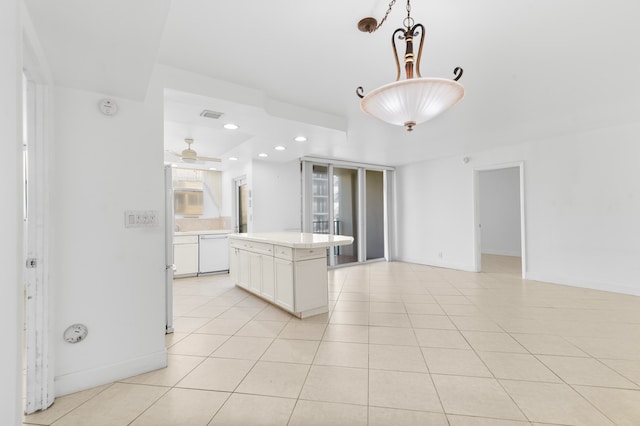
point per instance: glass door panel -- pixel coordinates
(374, 211)
(320, 196)
(345, 212)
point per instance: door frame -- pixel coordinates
(169, 228)
(476, 213)
(39, 383)
(236, 183)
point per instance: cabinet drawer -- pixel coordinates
(283, 252)
(185, 239)
(312, 253)
(262, 248)
(237, 243)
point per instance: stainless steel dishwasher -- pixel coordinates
(213, 253)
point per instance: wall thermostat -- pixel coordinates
(108, 107)
(75, 333)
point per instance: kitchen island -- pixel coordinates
(288, 269)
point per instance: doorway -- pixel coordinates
(499, 219)
(241, 195)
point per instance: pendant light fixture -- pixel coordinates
(415, 99)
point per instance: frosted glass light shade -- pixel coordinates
(412, 101)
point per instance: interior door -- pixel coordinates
(168, 249)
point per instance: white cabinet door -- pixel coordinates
(268, 279)
(255, 274)
(185, 258)
(311, 283)
(244, 270)
(234, 264)
(283, 283)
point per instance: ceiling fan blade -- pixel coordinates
(177, 154)
(217, 160)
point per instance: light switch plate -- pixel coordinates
(140, 218)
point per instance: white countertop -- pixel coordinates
(296, 239)
(203, 232)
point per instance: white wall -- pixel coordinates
(107, 277)
(276, 196)
(499, 205)
(581, 209)
(11, 214)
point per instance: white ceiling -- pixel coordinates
(533, 68)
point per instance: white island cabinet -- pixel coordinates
(288, 269)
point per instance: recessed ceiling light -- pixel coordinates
(233, 158)
(263, 154)
(300, 139)
(212, 168)
(280, 148)
(230, 126)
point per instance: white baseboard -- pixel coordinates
(502, 253)
(593, 285)
(438, 263)
(81, 380)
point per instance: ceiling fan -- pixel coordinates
(189, 155)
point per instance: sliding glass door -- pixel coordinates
(347, 199)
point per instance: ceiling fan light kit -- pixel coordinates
(191, 156)
(415, 99)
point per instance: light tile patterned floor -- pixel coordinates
(404, 344)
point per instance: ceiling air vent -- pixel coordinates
(211, 114)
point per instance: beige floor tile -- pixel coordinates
(274, 379)
(173, 338)
(553, 403)
(389, 319)
(585, 371)
(545, 344)
(473, 323)
(392, 336)
(243, 347)
(251, 302)
(393, 416)
(388, 307)
(350, 318)
(219, 374)
(316, 413)
(351, 306)
(296, 351)
(461, 310)
(418, 298)
(602, 347)
(254, 410)
(460, 362)
(198, 344)
(515, 366)
(424, 308)
(336, 384)
(273, 313)
(184, 407)
(492, 342)
(346, 333)
(117, 405)
(432, 338)
(222, 326)
(261, 328)
(237, 312)
(354, 296)
(386, 298)
(628, 368)
(206, 311)
(396, 358)
(475, 396)
(441, 322)
(455, 420)
(342, 354)
(63, 405)
(188, 324)
(403, 390)
(452, 299)
(620, 405)
(178, 366)
(296, 329)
